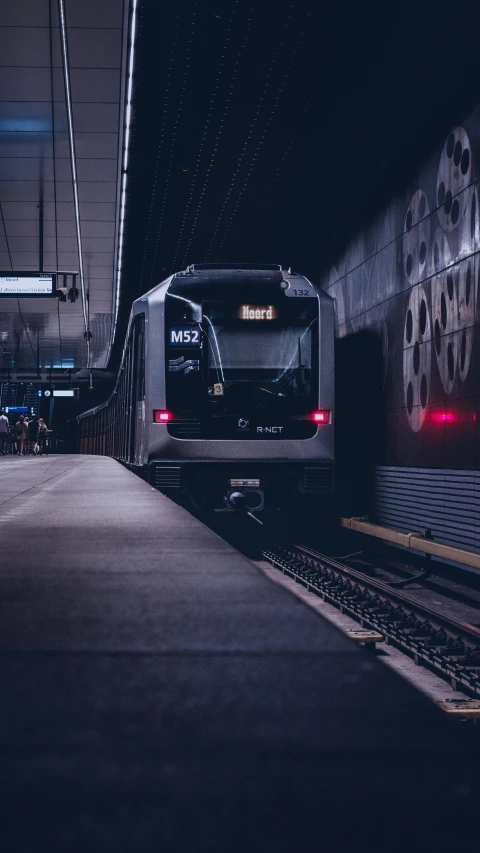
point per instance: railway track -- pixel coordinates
(449, 646)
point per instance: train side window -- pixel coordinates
(140, 356)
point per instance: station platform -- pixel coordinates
(160, 693)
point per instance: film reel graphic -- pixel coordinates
(468, 232)
(335, 290)
(458, 212)
(466, 315)
(416, 237)
(454, 176)
(444, 311)
(417, 359)
(385, 346)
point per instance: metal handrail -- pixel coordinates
(415, 541)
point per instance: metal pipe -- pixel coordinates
(73, 161)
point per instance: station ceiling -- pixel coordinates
(36, 167)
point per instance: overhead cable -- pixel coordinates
(161, 144)
(221, 128)
(73, 163)
(292, 58)
(208, 119)
(181, 100)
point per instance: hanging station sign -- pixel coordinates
(28, 284)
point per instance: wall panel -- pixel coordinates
(413, 280)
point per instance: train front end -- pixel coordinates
(247, 414)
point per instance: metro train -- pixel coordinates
(225, 392)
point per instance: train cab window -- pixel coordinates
(257, 363)
(279, 359)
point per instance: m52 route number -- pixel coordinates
(185, 336)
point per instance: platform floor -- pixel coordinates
(159, 692)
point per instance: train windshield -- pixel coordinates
(279, 357)
(238, 366)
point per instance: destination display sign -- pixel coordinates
(27, 284)
(257, 312)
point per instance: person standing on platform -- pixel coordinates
(43, 431)
(4, 432)
(20, 433)
(32, 434)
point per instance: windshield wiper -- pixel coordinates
(275, 393)
(299, 371)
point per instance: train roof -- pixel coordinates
(212, 272)
(253, 267)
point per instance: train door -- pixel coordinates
(137, 430)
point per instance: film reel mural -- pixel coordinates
(465, 280)
(454, 176)
(385, 345)
(335, 290)
(444, 312)
(469, 236)
(337, 293)
(429, 246)
(416, 238)
(417, 357)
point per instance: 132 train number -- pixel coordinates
(301, 292)
(185, 336)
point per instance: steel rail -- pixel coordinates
(447, 645)
(385, 589)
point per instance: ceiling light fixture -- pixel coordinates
(126, 147)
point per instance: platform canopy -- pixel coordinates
(64, 117)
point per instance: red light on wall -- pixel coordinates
(321, 417)
(444, 417)
(161, 416)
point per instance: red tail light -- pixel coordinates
(161, 416)
(322, 416)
